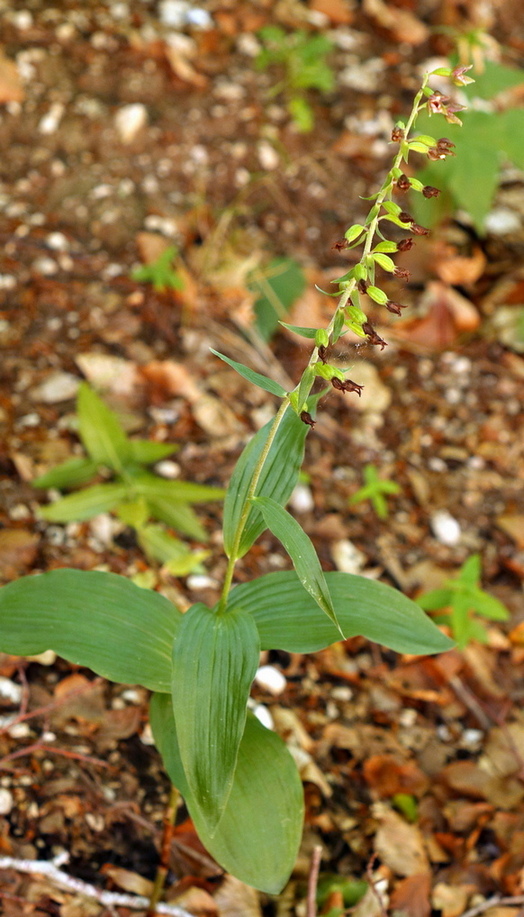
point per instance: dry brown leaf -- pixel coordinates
(151, 246)
(11, 89)
(399, 844)
(18, 550)
(451, 900)
(339, 12)
(128, 881)
(411, 896)
(513, 525)
(234, 899)
(448, 315)
(386, 775)
(402, 25)
(178, 58)
(503, 751)
(459, 270)
(118, 724)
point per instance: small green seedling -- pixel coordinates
(160, 273)
(490, 135)
(375, 490)
(135, 494)
(278, 286)
(302, 57)
(465, 599)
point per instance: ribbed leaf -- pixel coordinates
(101, 431)
(259, 833)
(84, 504)
(215, 658)
(73, 473)
(288, 619)
(269, 385)
(179, 515)
(95, 619)
(278, 478)
(151, 486)
(301, 551)
(145, 451)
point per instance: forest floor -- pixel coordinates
(208, 162)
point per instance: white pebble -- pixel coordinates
(199, 581)
(270, 679)
(267, 156)
(10, 691)
(502, 221)
(263, 716)
(57, 241)
(6, 801)
(347, 557)
(129, 120)
(50, 121)
(445, 528)
(168, 469)
(59, 386)
(302, 499)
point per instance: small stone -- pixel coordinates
(263, 716)
(60, 386)
(168, 469)
(267, 156)
(10, 691)
(270, 679)
(302, 499)
(129, 120)
(6, 801)
(348, 558)
(502, 222)
(445, 528)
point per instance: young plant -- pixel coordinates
(160, 273)
(239, 782)
(375, 490)
(134, 493)
(278, 286)
(302, 57)
(491, 134)
(465, 598)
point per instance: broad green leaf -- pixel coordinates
(488, 605)
(100, 498)
(269, 385)
(98, 620)
(178, 515)
(159, 545)
(258, 836)
(309, 333)
(278, 285)
(436, 599)
(288, 619)
(101, 431)
(470, 571)
(278, 478)
(215, 657)
(73, 473)
(151, 486)
(145, 451)
(300, 548)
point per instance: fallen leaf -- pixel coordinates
(402, 25)
(450, 900)
(513, 525)
(386, 776)
(339, 12)
(235, 899)
(129, 881)
(399, 844)
(448, 314)
(411, 896)
(459, 270)
(11, 89)
(18, 550)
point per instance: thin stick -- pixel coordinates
(374, 889)
(311, 905)
(165, 852)
(491, 902)
(50, 868)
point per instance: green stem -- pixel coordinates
(228, 578)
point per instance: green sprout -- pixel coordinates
(134, 493)
(160, 272)
(375, 490)
(303, 59)
(465, 598)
